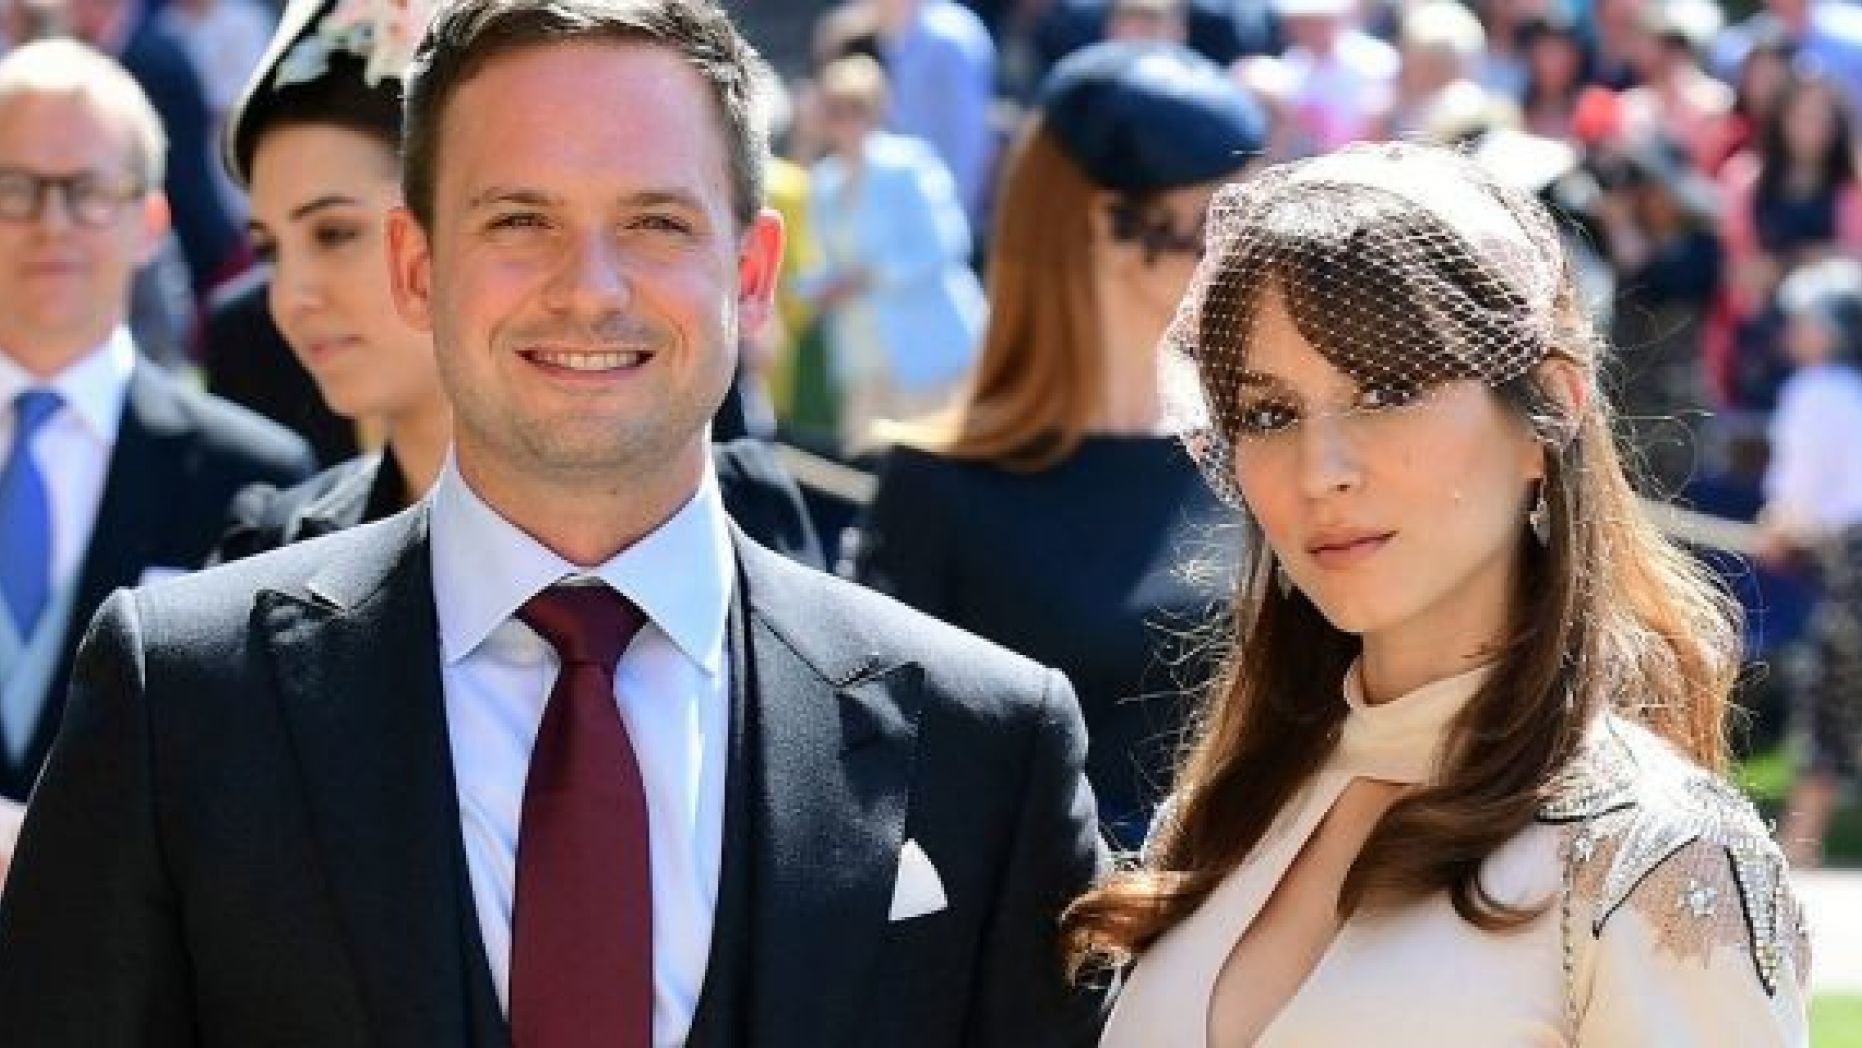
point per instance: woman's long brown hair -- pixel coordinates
(1037, 377)
(1607, 615)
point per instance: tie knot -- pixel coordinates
(32, 407)
(587, 624)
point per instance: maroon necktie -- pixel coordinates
(582, 936)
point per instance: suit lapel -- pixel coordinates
(358, 677)
(144, 465)
(720, 1018)
(833, 732)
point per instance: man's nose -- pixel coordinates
(54, 208)
(592, 278)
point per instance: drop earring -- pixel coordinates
(1539, 518)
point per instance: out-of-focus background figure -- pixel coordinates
(998, 515)
(893, 279)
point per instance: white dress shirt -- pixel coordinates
(671, 687)
(73, 447)
(72, 450)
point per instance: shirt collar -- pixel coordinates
(94, 386)
(485, 568)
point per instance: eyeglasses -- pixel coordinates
(90, 199)
(1155, 229)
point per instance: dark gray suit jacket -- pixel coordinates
(248, 832)
(180, 457)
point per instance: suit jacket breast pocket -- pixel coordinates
(926, 969)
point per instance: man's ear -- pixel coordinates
(759, 265)
(410, 269)
(156, 219)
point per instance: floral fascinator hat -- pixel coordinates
(364, 44)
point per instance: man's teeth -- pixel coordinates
(589, 361)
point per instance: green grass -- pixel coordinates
(1836, 1021)
(1767, 777)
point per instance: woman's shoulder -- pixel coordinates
(264, 517)
(917, 466)
(1657, 842)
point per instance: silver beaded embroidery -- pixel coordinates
(1651, 829)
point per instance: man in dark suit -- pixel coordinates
(158, 62)
(110, 469)
(397, 784)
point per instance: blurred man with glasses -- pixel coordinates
(111, 471)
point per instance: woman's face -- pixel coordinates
(1810, 124)
(1399, 515)
(1554, 62)
(846, 121)
(1762, 81)
(320, 195)
(1809, 340)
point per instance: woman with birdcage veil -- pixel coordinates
(1459, 784)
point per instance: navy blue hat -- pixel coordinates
(1143, 117)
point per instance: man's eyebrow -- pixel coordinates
(1255, 378)
(509, 195)
(662, 197)
(530, 197)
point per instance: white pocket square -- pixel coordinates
(918, 890)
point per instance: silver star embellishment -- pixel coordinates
(1698, 898)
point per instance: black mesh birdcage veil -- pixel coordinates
(1395, 286)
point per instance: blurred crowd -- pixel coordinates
(1700, 153)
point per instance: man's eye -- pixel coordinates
(661, 224)
(519, 220)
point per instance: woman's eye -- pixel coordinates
(1264, 419)
(265, 251)
(1383, 395)
(335, 236)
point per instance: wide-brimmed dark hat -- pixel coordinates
(365, 43)
(1145, 117)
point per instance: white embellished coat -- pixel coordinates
(1668, 921)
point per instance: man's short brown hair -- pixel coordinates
(465, 35)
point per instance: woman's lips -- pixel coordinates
(1344, 551)
(327, 347)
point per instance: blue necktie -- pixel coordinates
(26, 515)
